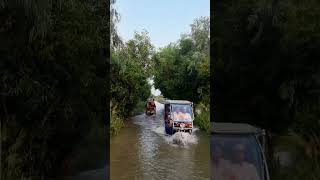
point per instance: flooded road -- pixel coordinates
(142, 151)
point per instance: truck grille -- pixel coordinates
(186, 125)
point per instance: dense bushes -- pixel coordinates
(53, 83)
(202, 117)
(116, 121)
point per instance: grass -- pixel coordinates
(116, 122)
(202, 120)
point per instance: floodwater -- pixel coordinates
(142, 151)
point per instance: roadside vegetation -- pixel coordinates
(202, 117)
(130, 68)
(139, 108)
(267, 72)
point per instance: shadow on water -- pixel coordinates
(98, 174)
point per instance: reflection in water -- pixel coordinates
(143, 151)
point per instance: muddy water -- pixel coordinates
(142, 151)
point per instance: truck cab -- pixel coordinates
(178, 116)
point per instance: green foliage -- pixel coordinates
(139, 49)
(265, 66)
(183, 69)
(139, 108)
(116, 123)
(202, 120)
(131, 66)
(53, 75)
(130, 69)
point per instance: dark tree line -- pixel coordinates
(53, 70)
(266, 62)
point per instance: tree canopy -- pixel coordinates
(130, 66)
(183, 68)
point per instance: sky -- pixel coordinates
(165, 20)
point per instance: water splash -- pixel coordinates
(184, 139)
(178, 139)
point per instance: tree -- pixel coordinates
(183, 68)
(200, 34)
(53, 74)
(115, 39)
(129, 73)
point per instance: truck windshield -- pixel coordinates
(182, 112)
(240, 155)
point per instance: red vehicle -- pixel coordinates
(151, 107)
